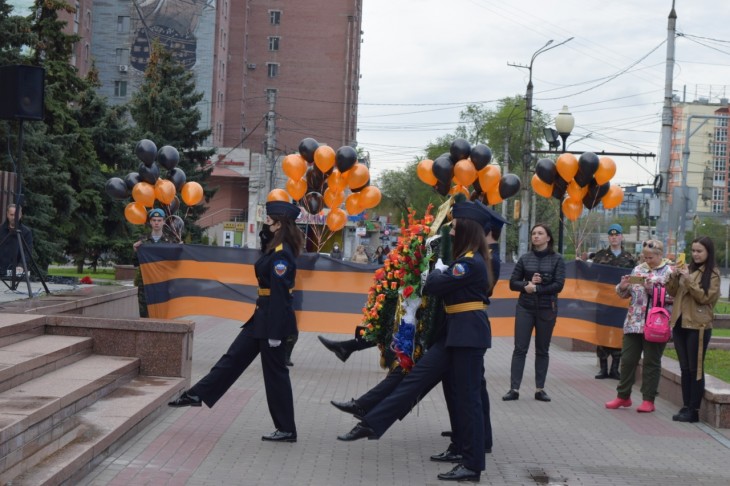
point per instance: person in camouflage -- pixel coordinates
(616, 256)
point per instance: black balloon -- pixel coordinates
(177, 177)
(443, 188)
(175, 225)
(587, 166)
(149, 174)
(168, 157)
(460, 149)
(358, 189)
(131, 180)
(595, 194)
(559, 188)
(345, 158)
(146, 151)
(477, 186)
(315, 179)
(481, 156)
(312, 202)
(509, 185)
(116, 188)
(307, 147)
(174, 205)
(546, 170)
(443, 169)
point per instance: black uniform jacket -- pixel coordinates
(465, 280)
(274, 315)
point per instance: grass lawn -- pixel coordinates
(101, 273)
(722, 307)
(717, 362)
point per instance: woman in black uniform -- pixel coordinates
(273, 320)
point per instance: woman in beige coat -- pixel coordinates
(696, 288)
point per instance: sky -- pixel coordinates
(423, 61)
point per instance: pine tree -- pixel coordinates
(164, 110)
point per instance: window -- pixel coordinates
(720, 165)
(718, 194)
(122, 25)
(720, 149)
(722, 122)
(718, 207)
(271, 94)
(720, 177)
(275, 17)
(120, 88)
(720, 134)
(274, 43)
(272, 69)
(122, 56)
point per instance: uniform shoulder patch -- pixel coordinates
(459, 270)
(469, 254)
(279, 247)
(281, 267)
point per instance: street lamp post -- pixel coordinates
(564, 123)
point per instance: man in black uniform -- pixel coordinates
(616, 256)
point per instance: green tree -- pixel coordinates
(402, 189)
(164, 110)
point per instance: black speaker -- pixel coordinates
(21, 92)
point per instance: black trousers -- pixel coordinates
(379, 392)
(232, 364)
(543, 322)
(686, 343)
(453, 409)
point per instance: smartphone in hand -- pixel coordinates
(636, 279)
(681, 259)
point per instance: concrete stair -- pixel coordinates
(63, 407)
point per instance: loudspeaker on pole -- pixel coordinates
(22, 92)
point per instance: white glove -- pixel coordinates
(440, 265)
(274, 343)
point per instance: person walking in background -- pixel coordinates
(156, 220)
(615, 256)
(272, 322)
(538, 276)
(696, 290)
(655, 271)
(360, 256)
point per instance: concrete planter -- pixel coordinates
(124, 272)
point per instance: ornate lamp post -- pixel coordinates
(564, 123)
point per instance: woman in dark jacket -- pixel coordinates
(273, 320)
(539, 277)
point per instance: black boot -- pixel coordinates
(603, 374)
(289, 347)
(615, 364)
(343, 349)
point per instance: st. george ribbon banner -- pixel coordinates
(187, 280)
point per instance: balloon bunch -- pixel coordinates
(466, 166)
(146, 186)
(586, 180)
(319, 177)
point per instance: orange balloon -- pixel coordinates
(144, 193)
(352, 204)
(294, 166)
(164, 191)
(606, 170)
(333, 197)
(276, 195)
(613, 197)
(192, 193)
(336, 219)
(465, 173)
(489, 177)
(324, 157)
(572, 208)
(425, 172)
(135, 213)
(577, 192)
(336, 181)
(296, 188)
(370, 197)
(358, 176)
(493, 196)
(567, 165)
(541, 187)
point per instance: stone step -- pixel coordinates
(32, 413)
(99, 429)
(31, 358)
(18, 327)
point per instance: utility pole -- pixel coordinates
(270, 141)
(503, 238)
(666, 136)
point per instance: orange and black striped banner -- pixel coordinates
(183, 280)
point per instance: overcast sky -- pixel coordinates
(423, 61)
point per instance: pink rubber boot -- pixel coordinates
(646, 407)
(618, 402)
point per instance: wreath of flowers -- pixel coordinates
(389, 316)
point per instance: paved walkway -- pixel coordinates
(573, 440)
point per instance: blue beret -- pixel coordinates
(615, 228)
(282, 208)
(155, 213)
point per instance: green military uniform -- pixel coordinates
(606, 257)
(138, 277)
